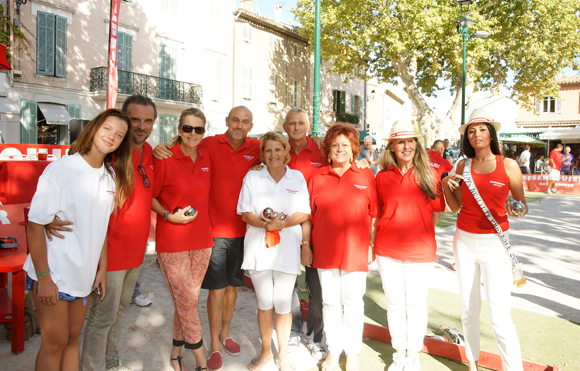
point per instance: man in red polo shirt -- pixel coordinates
(436, 159)
(232, 154)
(305, 157)
(555, 165)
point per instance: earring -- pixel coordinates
(329, 159)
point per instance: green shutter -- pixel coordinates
(352, 104)
(74, 110)
(60, 47)
(128, 52)
(342, 108)
(121, 51)
(163, 68)
(28, 122)
(45, 44)
(360, 107)
(335, 104)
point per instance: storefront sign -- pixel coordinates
(539, 183)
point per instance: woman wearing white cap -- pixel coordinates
(409, 208)
(482, 182)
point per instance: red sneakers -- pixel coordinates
(231, 347)
(214, 362)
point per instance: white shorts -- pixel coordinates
(554, 174)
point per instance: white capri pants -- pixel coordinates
(343, 309)
(406, 285)
(483, 258)
(273, 290)
(554, 174)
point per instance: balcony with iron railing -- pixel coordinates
(150, 86)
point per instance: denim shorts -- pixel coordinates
(61, 295)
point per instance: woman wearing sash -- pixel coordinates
(478, 248)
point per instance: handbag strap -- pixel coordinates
(517, 270)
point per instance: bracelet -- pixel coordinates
(266, 226)
(305, 243)
(166, 214)
(42, 273)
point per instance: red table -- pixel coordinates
(18, 180)
(11, 261)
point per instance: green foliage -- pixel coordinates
(531, 39)
(347, 117)
(5, 27)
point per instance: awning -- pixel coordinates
(522, 139)
(363, 134)
(54, 114)
(564, 134)
(7, 107)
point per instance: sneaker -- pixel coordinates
(214, 362)
(398, 362)
(316, 350)
(293, 343)
(141, 301)
(554, 190)
(413, 364)
(120, 367)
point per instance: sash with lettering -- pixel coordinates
(113, 78)
(517, 268)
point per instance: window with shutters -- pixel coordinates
(246, 33)
(246, 82)
(296, 93)
(339, 101)
(167, 72)
(51, 45)
(167, 128)
(215, 12)
(356, 105)
(548, 105)
(169, 7)
(28, 122)
(125, 62)
(272, 96)
(214, 85)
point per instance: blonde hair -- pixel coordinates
(277, 137)
(187, 112)
(421, 171)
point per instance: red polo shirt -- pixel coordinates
(341, 207)
(405, 230)
(227, 175)
(180, 182)
(129, 227)
(440, 164)
(556, 156)
(308, 161)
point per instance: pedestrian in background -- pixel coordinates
(567, 162)
(343, 200)
(84, 188)
(370, 154)
(480, 254)
(555, 162)
(410, 204)
(524, 160)
(184, 242)
(272, 244)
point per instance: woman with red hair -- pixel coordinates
(343, 241)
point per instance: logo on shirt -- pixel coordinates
(249, 158)
(151, 167)
(111, 193)
(316, 164)
(497, 184)
(436, 166)
(291, 191)
(360, 186)
(205, 169)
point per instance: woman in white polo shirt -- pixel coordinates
(272, 245)
(83, 188)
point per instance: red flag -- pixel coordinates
(113, 77)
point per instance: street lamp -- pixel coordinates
(371, 95)
(18, 4)
(462, 25)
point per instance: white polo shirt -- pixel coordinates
(290, 196)
(74, 191)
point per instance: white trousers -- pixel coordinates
(406, 285)
(482, 258)
(343, 309)
(273, 290)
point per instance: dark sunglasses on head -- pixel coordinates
(188, 129)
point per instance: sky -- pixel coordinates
(441, 104)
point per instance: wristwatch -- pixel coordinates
(166, 214)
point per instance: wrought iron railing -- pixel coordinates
(150, 86)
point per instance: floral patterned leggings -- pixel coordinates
(184, 272)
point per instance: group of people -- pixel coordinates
(220, 212)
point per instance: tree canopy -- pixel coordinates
(417, 41)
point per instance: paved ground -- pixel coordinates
(547, 241)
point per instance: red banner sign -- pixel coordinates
(113, 77)
(539, 183)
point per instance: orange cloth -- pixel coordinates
(272, 238)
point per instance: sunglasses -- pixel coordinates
(188, 129)
(143, 173)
